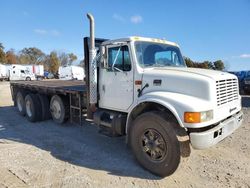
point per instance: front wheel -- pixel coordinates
(28, 78)
(155, 144)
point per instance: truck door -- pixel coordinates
(116, 80)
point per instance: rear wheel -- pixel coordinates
(33, 108)
(44, 106)
(155, 144)
(59, 109)
(20, 102)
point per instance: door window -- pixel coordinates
(119, 59)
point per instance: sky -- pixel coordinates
(205, 30)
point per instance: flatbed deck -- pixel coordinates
(72, 93)
(52, 86)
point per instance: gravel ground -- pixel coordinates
(45, 154)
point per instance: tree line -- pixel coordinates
(35, 56)
(216, 65)
(55, 59)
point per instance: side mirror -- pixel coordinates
(104, 61)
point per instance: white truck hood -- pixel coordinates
(213, 74)
(195, 82)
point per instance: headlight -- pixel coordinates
(198, 117)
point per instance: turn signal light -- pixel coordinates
(192, 117)
(198, 117)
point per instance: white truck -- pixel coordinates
(3, 72)
(71, 73)
(37, 70)
(20, 72)
(141, 88)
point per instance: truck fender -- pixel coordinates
(166, 104)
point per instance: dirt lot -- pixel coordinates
(48, 155)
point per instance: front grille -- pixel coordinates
(227, 91)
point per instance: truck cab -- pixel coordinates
(142, 88)
(135, 71)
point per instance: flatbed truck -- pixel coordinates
(140, 88)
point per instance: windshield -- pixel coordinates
(151, 54)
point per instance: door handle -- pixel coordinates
(103, 88)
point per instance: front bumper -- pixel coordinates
(208, 138)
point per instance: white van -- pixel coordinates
(38, 70)
(18, 73)
(71, 73)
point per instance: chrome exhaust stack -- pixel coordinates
(92, 65)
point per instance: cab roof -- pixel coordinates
(137, 38)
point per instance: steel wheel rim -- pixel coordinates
(20, 108)
(56, 109)
(28, 108)
(153, 145)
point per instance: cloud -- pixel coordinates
(244, 56)
(46, 32)
(41, 31)
(118, 17)
(55, 33)
(136, 19)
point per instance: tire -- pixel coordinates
(155, 144)
(28, 79)
(33, 108)
(44, 107)
(59, 109)
(20, 102)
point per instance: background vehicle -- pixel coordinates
(141, 88)
(241, 75)
(17, 72)
(21, 72)
(246, 83)
(71, 73)
(3, 73)
(46, 74)
(37, 70)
